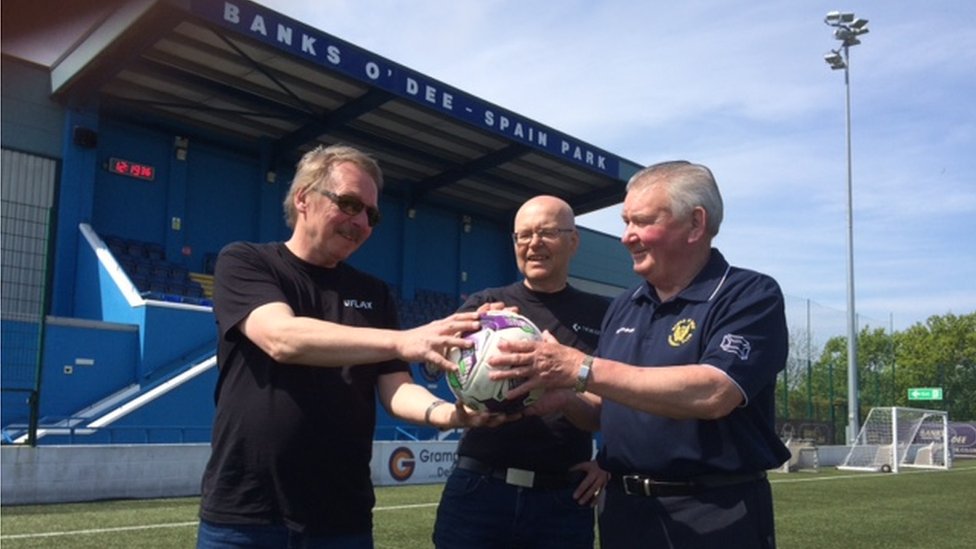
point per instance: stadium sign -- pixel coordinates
(925, 393)
(963, 439)
(412, 462)
(325, 50)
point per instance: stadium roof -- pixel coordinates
(242, 70)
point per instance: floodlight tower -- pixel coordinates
(847, 28)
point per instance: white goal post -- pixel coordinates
(893, 437)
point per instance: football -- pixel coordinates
(471, 384)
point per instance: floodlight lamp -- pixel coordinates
(846, 17)
(861, 31)
(851, 42)
(859, 23)
(842, 33)
(835, 60)
(832, 18)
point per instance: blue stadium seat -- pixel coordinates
(142, 266)
(154, 251)
(135, 249)
(141, 282)
(159, 270)
(178, 272)
(193, 289)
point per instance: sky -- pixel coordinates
(742, 87)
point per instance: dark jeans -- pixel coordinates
(739, 516)
(233, 536)
(481, 512)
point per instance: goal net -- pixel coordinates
(892, 438)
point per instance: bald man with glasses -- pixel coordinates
(531, 483)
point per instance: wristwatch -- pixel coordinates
(583, 378)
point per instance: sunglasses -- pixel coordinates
(350, 205)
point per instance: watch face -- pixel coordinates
(584, 374)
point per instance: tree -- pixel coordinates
(939, 353)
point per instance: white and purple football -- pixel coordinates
(471, 384)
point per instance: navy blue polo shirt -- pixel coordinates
(729, 318)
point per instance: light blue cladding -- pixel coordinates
(31, 121)
(602, 258)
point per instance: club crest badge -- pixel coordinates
(681, 332)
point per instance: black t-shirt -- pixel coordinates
(291, 443)
(544, 444)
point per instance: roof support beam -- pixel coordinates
(334, 120)
(476, 166)
(234, 94)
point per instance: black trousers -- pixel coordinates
(738, 516)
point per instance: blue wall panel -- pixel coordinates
(223, 201)
(184, 414)
(18, 361)
(172, 336)
(487, 257)
(100, 360)
(125, 206)
(381, 254)
(436, 263)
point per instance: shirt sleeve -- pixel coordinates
(476, 300)
(242, 282)
(748, 339)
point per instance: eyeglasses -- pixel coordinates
(547, 235)
(350, 205)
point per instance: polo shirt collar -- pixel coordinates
(704, 287)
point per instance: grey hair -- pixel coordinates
(315, 168)
(688, 186)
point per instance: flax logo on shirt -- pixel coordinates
(681, 332)
(356, 304)
(736, 345)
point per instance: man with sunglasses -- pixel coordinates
(531, 483)
(306, 345)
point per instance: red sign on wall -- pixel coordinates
(132, 169)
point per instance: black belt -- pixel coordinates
(520, 477)
(640, 485)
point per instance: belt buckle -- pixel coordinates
(638, 485)
(519, 477)
(643, 483)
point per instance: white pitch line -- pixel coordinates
(773, 480)
(99, 530)
(412, 506)
(167, 525)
